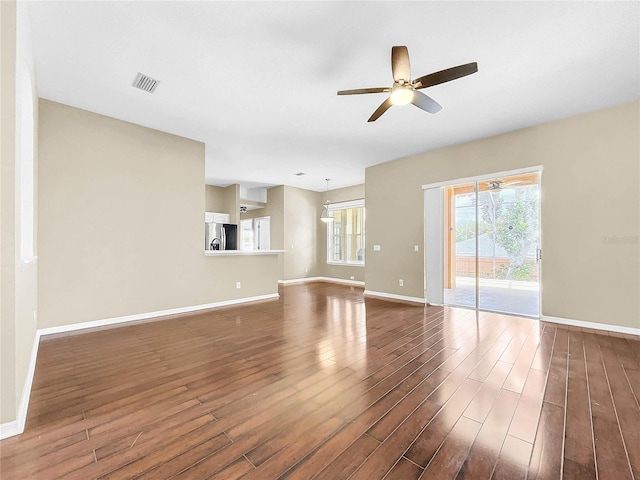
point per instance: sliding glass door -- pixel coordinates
(491, 231)
(460, 245)
(508, 217)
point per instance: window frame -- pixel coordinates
(360, 203)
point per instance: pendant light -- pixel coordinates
(326, 217)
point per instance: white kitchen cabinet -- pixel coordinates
(214, 217)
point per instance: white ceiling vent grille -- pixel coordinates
(143, 82)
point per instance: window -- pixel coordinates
(246, 234)
(345, 234)
(256, 233)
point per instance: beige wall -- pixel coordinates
(224, 200)
(214, 199)
(7, 212)
(294, 213)
(232, 203)
(301, 213)
(342, 272)
(297, 229)
(18, 282)
(590, 193)
(120, 228)
(275, 210)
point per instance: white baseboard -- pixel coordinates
(359, 283)
(596, 326)
(300, 280)
(145, 316)
(16, 427)
(393, 296)
(10, 429)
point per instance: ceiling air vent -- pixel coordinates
(145, 83)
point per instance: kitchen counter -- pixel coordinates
(220, 253)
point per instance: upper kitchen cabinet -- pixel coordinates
(214, 217)
(252, 198)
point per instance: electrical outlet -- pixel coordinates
(416, 248)
(306, 270)
(237, 284)
(352, 277)
(401, 282)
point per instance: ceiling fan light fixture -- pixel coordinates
(402, 94)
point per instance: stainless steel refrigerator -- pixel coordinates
(220, 236)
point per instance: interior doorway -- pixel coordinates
(491, 243)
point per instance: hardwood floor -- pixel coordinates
(325, 384)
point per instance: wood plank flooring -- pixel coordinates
(325, 384)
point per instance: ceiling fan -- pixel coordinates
(406, 91)
(501, 184)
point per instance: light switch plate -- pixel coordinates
(376, 248)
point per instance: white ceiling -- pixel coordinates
(257, 81)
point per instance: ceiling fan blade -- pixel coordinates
(446, 75)
(359, 91)
(426, 103)
(380, 110)
(400, 64)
